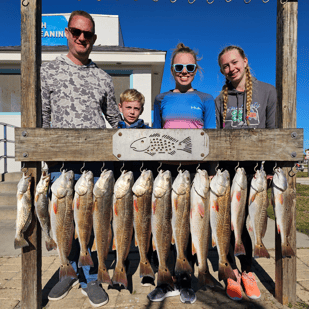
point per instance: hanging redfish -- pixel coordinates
(283, 200)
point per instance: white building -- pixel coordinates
(130, 67)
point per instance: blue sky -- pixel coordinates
(206, 28)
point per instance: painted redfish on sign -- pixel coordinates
(122, 224)
(238, 208)
(41, 202)
(142, 190)
(181, 219)
(156, 143)
(220, 220)
(83, 206)
(24, 215)
(102, 218)
(283, 200)
(61, 217)
(161, 215)
(257, 219)
(200, 224)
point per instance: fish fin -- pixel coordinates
(20, 242)
(239, 249)
(120, 276)
(260, 251)
(85, 259)
(55, 206)
(77, 202)
(66, 271)
(50, 244)
(287, 250)
(232, 226)
(95, 205)
(94, 246)
(36, 197)
(114, 244)
(201, 210)
(116, 208)
(205, 278)
(193, 249)
(173, 239)
(136, 243)
(154, 204)
(213, 242)
(226, 271)
(175, 204)
(153, 246)
(145, 270)
(249, 224)
(103, 275)
(182, 265)
(238, 195)
(135, 204)
(164, 277)
(75, 234)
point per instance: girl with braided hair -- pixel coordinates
(244, 102)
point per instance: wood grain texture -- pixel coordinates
(97, 145)
(31, 117)
(286, 71)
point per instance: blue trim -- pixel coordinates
(10, 114)
(131, 81)
(152, 116)
(9, 71)
(119, 72)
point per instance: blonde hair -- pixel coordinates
(248, 84)
(131, 95)
(181, 48)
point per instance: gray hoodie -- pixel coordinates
(75, 96)
(262, 111)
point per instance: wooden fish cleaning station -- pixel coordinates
(34, 144)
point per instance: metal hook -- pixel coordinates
(173, 1)
(257, 164)
(191, 2)
(216, 168)
(283, 1)
(121, 169)
(24, 3)
(61, 168)
(265, 1)
(155, 0)
(22, 167)
(81, 170)
(275, 166)
(291, 170)
(262, 166)
(210, 2)
(247, 2)
(198, 166)
(178, 168)
(158, 169)
(236, 166)
(141, 167)
(102, 167)
(228, 1)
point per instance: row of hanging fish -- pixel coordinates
(169, 211)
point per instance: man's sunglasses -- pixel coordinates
(77, 32)
(189, 67)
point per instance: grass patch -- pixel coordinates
(302, 208)
(301, 174)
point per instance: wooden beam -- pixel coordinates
(97, 145)
(286, 68)
(31, 117)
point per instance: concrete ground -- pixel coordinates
(136, 295)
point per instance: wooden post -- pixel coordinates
(31, 117)
(285, 277)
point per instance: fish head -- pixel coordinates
(123, 184)
(241, 178)
(201, 182)
(23, 184)
(279, 179)
(141, 144)
(162, 183)
(258, 181)
(104, 184)
(182, 183)
(220, 182)
(42, 186)
(84, 183)
(143, 183)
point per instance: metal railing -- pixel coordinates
(5, 141)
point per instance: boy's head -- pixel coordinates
(131, 105)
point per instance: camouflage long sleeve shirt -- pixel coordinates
(75, 96)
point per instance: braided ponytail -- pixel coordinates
(225, 99)
(249, 92)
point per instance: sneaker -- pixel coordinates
(233, 289)
(161, 292)
(187, 296)
(250, 286)
(61, 289)
(96, 294)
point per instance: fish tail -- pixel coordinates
(103, 275)
(20, 242)
(182, 265)
(260, 251)
(146, 270)
(239, 249)
(85, 259)
(66, 271)
(205, 278)
(226, 271)
(50, 244)
(287, 250)
(120, 276)
(164, 277)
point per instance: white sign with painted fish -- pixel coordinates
(160, 144)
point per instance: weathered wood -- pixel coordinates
(31, 117)
(286, 68)
(97, 145)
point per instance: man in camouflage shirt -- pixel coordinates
(75, 93)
